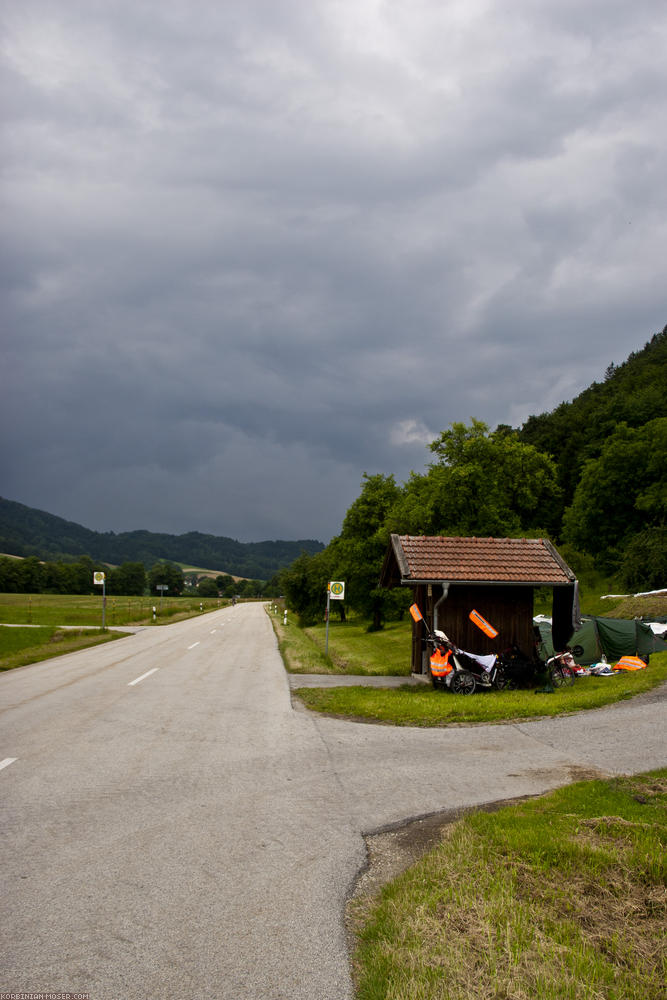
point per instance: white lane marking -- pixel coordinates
(213, 631)
(7, 761)
(143, 677)
(193, 645)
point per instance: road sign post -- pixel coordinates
(161, 587)
(100, 581)
(335, 592)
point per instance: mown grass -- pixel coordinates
(20, 646)
(422, 705)
(65, 609)
(654, 606)
(559, 898)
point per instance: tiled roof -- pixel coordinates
(487, 560)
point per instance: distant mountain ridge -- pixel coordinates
(26, 531)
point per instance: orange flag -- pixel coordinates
(482, 623)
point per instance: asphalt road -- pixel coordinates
(173, 829)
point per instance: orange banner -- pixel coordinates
(416, 613)
(482, 623)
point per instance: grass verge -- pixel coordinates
(424, 706)
(355, 650)
(300, 654)
(559, 898)
(352, 649)
(20, 646)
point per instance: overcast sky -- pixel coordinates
(253, 249)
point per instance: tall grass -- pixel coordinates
(559, 898)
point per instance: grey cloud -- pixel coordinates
(252, 251)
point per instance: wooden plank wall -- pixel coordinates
(508, 609)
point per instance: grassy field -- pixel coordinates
(19, 646)
(352, 650)
(188, 568)
(422, 705)
(63, 609)
(558, 898)
(635, 607)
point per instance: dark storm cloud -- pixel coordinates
(254, 250)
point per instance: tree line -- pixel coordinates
(130, 579)
(32, 576)
(590, 476)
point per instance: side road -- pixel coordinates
(350, 680)
(172, 827)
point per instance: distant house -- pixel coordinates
(450, 577)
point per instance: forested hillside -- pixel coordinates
(25, 531)
(610, 449)
(634, 393)
(591, 476)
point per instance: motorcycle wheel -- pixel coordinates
(463, 682)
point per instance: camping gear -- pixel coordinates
(561, 669)
(601, 669)
(518, 669)
(611, 637)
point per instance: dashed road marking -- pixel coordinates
(143, 677)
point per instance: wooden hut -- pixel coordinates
(496, 577)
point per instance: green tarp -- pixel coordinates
(615, 637)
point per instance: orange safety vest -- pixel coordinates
(630, 663)
(440, 665)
